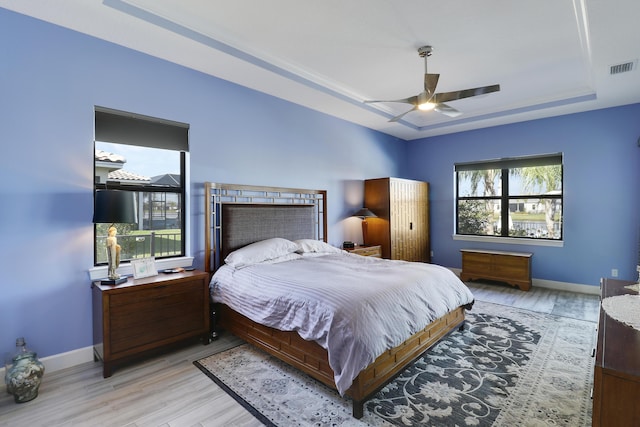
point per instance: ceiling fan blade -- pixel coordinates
(430, 83)
(466, 93)
(396, 118)
(411, 100)
(428, 98)
(447, 110)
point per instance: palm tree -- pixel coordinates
(487, 177)
(543, 180)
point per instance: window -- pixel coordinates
(147, 157)
(516, 197)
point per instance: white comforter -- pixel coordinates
(353, 306)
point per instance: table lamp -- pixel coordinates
(114, 207)
(363, 214)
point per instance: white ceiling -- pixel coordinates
(550, 57)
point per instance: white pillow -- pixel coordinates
(260, 251)
(315, 246)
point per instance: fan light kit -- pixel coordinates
(429, 100)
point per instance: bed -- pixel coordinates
(243, 219)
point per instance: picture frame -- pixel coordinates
(144, 267)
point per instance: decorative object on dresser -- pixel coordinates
(114, 207)
(513, 268)
(144, 267)
(616, 376)
(402, 224)
(366, 250)
(363, 214)
(145, 314)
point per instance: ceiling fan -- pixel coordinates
(429, 100)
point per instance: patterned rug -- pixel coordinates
(509, 367)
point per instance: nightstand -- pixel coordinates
(140, 315)
(369, 250)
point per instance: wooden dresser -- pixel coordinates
(144, 314)
(513, 268)
(616, 376)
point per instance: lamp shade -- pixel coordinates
(365, 213)
(114, 206)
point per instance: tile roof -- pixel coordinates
(122, 175)
(168, 179)
(105, 156)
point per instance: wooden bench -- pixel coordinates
(513, 268)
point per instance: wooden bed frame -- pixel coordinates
(228, 213)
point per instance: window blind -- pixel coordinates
(135, 129)
(512, 162)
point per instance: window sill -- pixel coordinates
(510, 240)
(100, 272)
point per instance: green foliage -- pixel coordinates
(536, 180)
(472, 217)
(518, 232)
(136, 243)
(544, 179)
(540, 178)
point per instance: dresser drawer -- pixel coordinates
(143, 317)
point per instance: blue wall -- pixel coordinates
(51, 79)
(601, 192)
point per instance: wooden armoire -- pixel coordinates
(402, 223)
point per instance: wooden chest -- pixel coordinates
(513, 268)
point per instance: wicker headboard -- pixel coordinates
(237, 215)
(245, 224)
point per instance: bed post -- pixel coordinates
(207, 228)
(358, 409)
(358, 397)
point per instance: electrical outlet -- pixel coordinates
(614, 272)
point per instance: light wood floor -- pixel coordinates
(168, 390)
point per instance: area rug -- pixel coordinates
(509, 367)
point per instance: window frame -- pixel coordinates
(132, 129)
(147, 188)
(505, 165)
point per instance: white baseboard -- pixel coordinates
(566, 286)
(558, 286)
(63, 360)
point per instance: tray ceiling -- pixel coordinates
(550, 57)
